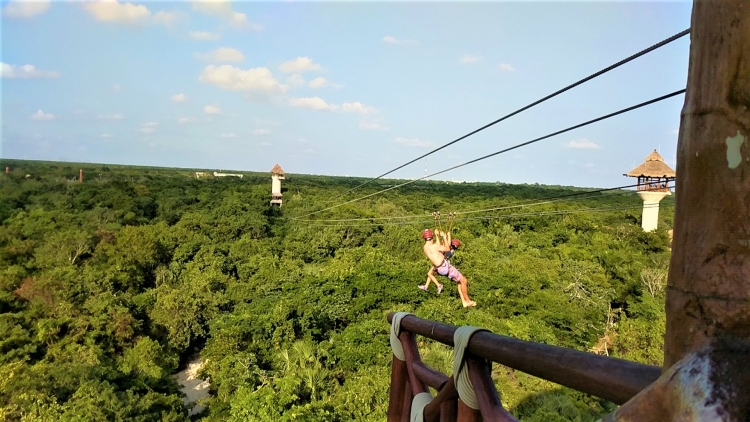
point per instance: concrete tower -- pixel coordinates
(277, 175)
(653, 176)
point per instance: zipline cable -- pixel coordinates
(503, 216)
(537, 102)
(517, 204)
(607, 116)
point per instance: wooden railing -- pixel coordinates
(612, 379)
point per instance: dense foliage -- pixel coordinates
(108, 287)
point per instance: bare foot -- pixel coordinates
(469, 304)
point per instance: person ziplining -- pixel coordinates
(454, 245)
(435, 252)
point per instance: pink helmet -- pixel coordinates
(455, 243)
(427, 234)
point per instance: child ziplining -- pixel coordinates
(436, 253)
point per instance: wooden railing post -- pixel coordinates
(399, 379)
(406, 405)
(409, 343)
(708, 291)
(489, 402)
(467, 414)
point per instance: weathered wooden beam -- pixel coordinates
(467, 414)
(489, 402)
(449, 411)
(406, 405)
(708, 291)
(411, 353)
(429, 376)
(446, 396)
(399, 378)
(613, 379)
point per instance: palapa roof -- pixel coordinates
(277, 170)
(654, 166)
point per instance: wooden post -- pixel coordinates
(489, 402)
(708, 292)
(399, 378)
(406, 404)
(467, 414)
(409, 343)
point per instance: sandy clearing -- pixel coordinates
(193, 387)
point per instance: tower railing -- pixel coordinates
(609, 378)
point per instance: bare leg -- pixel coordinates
(430, 278)
(463, 291)
(434, 280)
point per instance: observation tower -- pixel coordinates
(277, 175)
(653, 176)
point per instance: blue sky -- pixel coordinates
(345, 88)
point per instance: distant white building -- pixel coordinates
(227, 175)
(277, 175)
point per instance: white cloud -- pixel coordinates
(365, 125)
(117, 116)
(106, 135)
(114, 11)
(266, 144)
(184, 120)
(228, 135)
(393, 40)
(79, 112)
(359, 108)
(211, 109)
(589, 165)
(27, 71)
(469, 58)
(370, 120)
(223, 8)
(40, 115)
(168, 18)
(25, 8)
(302, 140)
(582, 144)
(321, 82)
(148, 127)
(179, 98)
(239, 20)
(212, 7)
(261, 132)
(116, 88)
(295, 80)
(257, 79)
(412, 142)
(300, 65)
(315, 103)
(506, 67)
(223, 54)
(308, 151)
(675, 132)
(204, 36)
(318, 82)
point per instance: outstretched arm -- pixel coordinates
(440, 242)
